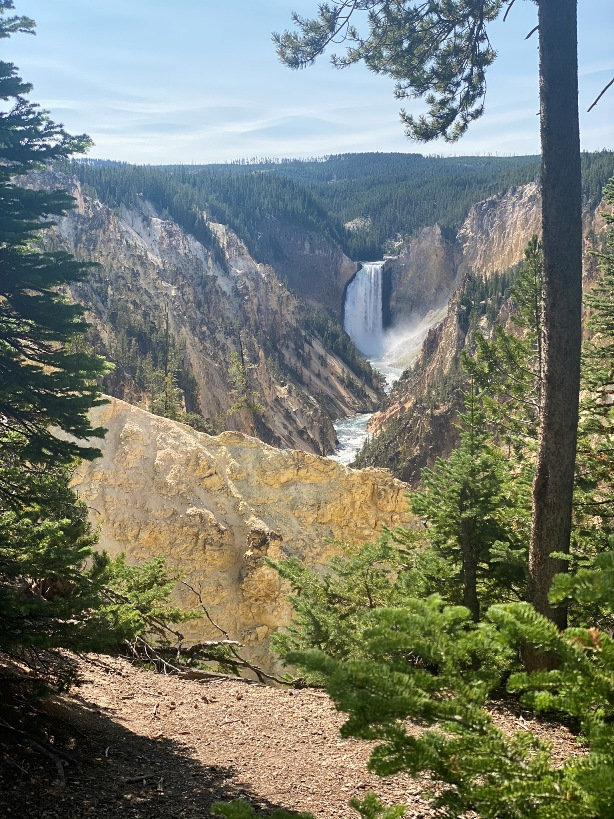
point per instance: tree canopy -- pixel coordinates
(438, 50)
(47, 383)
(43, 381)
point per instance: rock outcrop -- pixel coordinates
(433, 264)
(312, 266)
(216, 506)
(422, 276)
(496, 231)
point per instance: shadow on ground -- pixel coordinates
(108, 770)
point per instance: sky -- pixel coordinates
(198, 81)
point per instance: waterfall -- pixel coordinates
(363, 309)
(390, 351)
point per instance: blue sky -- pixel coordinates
(198, 81)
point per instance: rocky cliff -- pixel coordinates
(432, 265)
(496, 231)
(422, 275)
(314, 268)
(208, 305)
(416, 424)
(215, 506)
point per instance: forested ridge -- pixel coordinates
(393, 194)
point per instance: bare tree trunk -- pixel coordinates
(562, 249)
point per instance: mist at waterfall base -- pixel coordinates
(390, 351)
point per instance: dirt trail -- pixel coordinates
(140, 744)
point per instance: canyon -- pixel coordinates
(416, 424)
(152, 277)
(218, 506)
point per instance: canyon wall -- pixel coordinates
(432, 265)
(216, 506)
(416, 425)
(312, 266)
(155, 279)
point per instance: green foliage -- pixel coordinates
(120, 185)
(406, 442)
(334, 338)
(149, 360)
(396, 195)
(41, 381)
(469, 503)
(589, 585)
(581, 687)
(47, 382)
(437, 50)
(45, 539)
(369, 808)
(388, 654)
(329, 607)
(429, 663)
(372, 808)
(245, 397)
(243, 810)
(422, 660)
(509, 368)
(54, 592)
(134, 601)
(594, 493)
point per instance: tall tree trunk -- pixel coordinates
(469, 552)
(470, 571)
(562, 249)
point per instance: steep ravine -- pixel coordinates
(416, 424)
(157, 281)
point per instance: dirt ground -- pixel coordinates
(132, 743)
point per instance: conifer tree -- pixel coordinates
(440, 51)
(594, 495)
(509, 367)
(429, 663)
(45, 385)
(42, 383)
(469, 507)
(246, 398)
(54, 591)
(329, 607)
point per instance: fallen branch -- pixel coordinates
(208, 644)
(55, 756)
(240, 661)
(200, 674)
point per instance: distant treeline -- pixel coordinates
(394, 194)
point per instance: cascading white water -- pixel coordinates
(363, 309)
(363, 322)
(390, 351)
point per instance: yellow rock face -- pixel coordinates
(214, 507)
